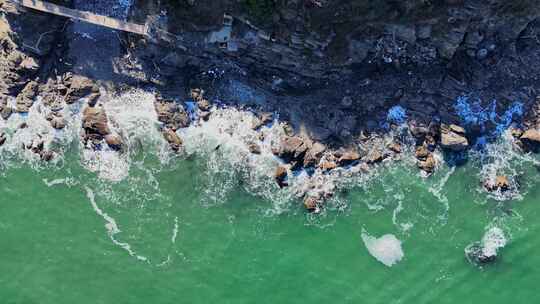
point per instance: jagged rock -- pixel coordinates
(113, 141)
(254, 148)
(3, 139)
(314, 154)
(374, 156)
(173, 139)
(26, 97)
(453, 138)
(281, 176)
(291, 148)
(95, 120)
(501, 183)
(395, 147)
(428, 164)
(263, 119)
(80, 87)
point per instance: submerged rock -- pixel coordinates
(501, 183)
(453, 138)
(487, 249)
(3, 139)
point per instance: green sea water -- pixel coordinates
(183, 233)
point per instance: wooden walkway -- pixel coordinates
(84, 16)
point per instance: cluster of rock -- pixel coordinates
(299, 152)
(96, 130)
(174, 116)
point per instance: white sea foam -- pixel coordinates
(492, 241)
(502, 159)
(386, 249)
(111, 226)
(133, 117)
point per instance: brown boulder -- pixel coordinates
(172, 114)
(348, 157)
(311, 204)
(395, 147)
(453, 138)
(113, 141)
(173, 139)
(281, 176)
(328, 165)
(422, 152)
(292, 148)
(95, 120)
(532, 136)
(428, 165)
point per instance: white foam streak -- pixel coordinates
(111, 226)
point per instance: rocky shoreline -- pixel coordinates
(333, 116)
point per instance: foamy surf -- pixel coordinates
(386, 249)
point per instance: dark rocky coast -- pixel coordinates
(350, 83)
